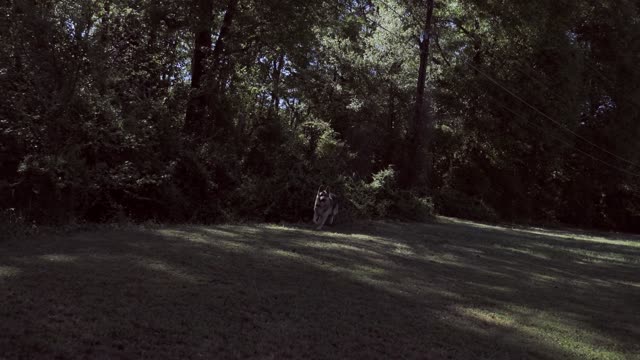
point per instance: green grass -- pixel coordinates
(445, 290)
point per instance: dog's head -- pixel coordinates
(322, 198)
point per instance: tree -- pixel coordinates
(414, 167)
(209, 109)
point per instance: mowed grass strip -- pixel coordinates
(444, 290)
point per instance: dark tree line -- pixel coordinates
(213, 110)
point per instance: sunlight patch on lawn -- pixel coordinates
(219, 239)
(361, 273)
(358, 238)
(251, 229)
(485, 316)
(600, 258)
(629, 283)
(398, 284)
(572, 336)
(9, 271)
(543, 278)
(466, 249)
(330, 237)
(232, 245)
(59, 258)
(550, 233)
(290, 254)
(387, 277)
(497, 288)
(173, 271)
(386, 285)
(591, 256)
(184, 235)
(278, 227)
(470, 223)
(369, 270)
(446, 259)
(223, 231)
(402, 249)
(524, 325)
(335, 246)
(524, 251)
(369, 239)
(580, 237)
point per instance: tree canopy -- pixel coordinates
(212, 110)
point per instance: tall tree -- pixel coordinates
(203, 108)
(196, 107)
(417, 138)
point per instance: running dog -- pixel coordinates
(326, 205)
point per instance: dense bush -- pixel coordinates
(382, 198)
(207, 111)
(451, 202)
(279, 181)
(14, 226)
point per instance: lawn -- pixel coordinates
(443, 290)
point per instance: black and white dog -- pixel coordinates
(326, 205)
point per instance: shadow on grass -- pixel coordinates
(376, 290)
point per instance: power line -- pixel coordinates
(390, 8)
(562, 98)
(596, 70)
(560, 138)
(527, 122)
(611, 83)
(400, 37)
(587, 62)
(561, 125)
(547, 116)
(546, 87)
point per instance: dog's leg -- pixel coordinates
(323, 220)
(333, 214)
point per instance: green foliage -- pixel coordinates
(282, 184)
(292, 95)
(14, 226)
(381, 198)
(451, 202)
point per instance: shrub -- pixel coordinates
(451, 202)
(13, 225)
(381, 198)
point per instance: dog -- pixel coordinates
(326, 205)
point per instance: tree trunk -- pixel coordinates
(391, 120)
(206, 65)
(219, 48)
(201, 49)
(216, 112)
(278, 64)
(414, 169)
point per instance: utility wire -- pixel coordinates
(611, 83)
(597, 71)
(562, 140)
(538, 128)
(494, 81)
(547, 116)
(390, 8)
(546, 88)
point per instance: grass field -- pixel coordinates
(445, 290)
